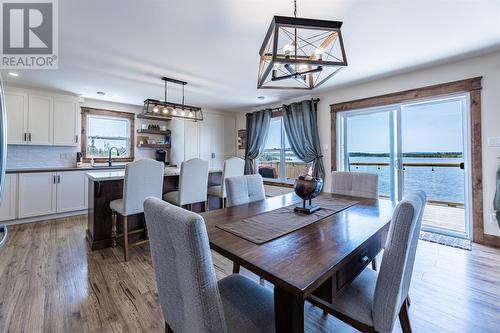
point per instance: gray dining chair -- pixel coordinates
(244, 189)
(372, 301)
(233, 167)
(191, 299)
(143, 178)
(356, 184)
(193, 184)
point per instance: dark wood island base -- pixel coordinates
(101, 193)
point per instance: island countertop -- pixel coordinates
(120, 174)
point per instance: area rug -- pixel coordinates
(461, 243)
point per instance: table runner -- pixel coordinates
(267, 226)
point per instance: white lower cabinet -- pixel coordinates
(37, 194)
(45, 193)
(9, 200)
(71, 191)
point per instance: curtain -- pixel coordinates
(257, 131)
(301, 126)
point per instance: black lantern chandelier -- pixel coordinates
(300, 53)
(163, 108)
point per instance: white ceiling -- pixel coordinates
(124, 47)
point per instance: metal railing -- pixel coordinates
(423, 165)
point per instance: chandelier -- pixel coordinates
(300, 53)
(169, 110)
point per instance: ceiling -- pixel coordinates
(124, 47)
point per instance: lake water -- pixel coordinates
(440, 183)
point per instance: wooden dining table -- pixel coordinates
(312, 263)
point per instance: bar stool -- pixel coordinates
(233, 167)
(143, 178)
(193, 183)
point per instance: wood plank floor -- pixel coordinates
(51, 282)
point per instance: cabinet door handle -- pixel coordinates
(59, 179)
(25, 136)
(76, 138)
(53, 179)
(29, 137)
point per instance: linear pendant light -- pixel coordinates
(300, 53)
(172, 110)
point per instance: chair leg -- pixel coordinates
(236, 268)
(113, 228)
(404, 319)
(374, 264)
(223, 202)
(125, 238)
(168, 329)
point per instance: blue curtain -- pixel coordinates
(257, 131)
(301, 126)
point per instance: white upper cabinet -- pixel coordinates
(40, 119)
(16, 105)
(65, 122)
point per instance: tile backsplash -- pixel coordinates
(40, 156)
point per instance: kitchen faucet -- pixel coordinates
(109, 158)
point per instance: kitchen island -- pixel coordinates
(106, 186)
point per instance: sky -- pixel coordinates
(424, 127)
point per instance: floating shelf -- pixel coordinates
(152, 117)
(150, 131)
(155, 146)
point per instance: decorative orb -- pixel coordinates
(308, 187)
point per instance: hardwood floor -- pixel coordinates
(51, 282)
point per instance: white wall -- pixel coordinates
(487, 66)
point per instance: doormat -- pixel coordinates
(461, 243)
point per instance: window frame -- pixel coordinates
(85, 112)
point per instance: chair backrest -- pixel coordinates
(396, 269)
(143, 178)
(244, 189)
(356, 184)
(193, 181)
(187, 286)
(233, 167)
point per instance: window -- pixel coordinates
(103, 130)
(278, 160)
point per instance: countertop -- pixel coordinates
(56, 169)
(116, 175)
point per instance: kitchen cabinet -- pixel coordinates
(40, 119)
(66, 113)
(212, 140)
(37, 194)
(191, 137)
(9, 201)
(71, 191)
(16, 105)
(45, 193)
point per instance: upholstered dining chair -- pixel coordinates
(143, 178)
(193, 182)
(191, 299)
(372, 301)
(233, 167)
(244, 189)
(356, 184)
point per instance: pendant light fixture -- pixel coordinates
(300, 53)
(163, 108)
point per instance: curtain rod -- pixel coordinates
(280, 108)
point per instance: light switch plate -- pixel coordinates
(494, 142)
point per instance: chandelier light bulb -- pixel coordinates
(183, 113)
(174, 112)
(165, 110)
(288, 48)
(156, 109)
(319, 53)
(191, 114)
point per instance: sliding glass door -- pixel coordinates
(414, 146)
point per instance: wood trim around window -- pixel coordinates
(102, 112)
(471, 86)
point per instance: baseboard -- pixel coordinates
(45, 217)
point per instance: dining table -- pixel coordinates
(311, 263)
